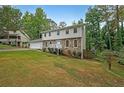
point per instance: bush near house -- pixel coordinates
(66, 52)
(121, 56)
(44, 49)
(4, 46)
(88, 54)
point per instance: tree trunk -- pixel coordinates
(109, 36)
(118, 31)
(122, 31)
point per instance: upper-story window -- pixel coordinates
(44, 34)
(75, 30)
(58, 32)
(49, 33)
(67, 31)
(13, 37)
(40, 35)
(19, 37)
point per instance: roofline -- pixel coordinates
(36, 40)
(63, 28)
(24, 33)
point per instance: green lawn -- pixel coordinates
(6, 46)
(33, 68)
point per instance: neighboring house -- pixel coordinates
(68, 39)
(18, 38)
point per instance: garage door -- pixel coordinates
(36, 45)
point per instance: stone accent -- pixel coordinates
(66, 50)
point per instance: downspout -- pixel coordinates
(83, 41)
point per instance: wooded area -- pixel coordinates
(104, 27)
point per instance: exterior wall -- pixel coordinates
(63, 44)
(59, 41)
(36, 45)
(63, 34)
(22, 42)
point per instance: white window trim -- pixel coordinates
(68, 44)
(73, 43)
(68, 31)
(45, 34)
(58, 32)
(74, 31)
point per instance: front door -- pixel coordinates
(58, 44)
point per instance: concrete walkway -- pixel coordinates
(15, 49)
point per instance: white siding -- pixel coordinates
(36, 45)
(63, 34)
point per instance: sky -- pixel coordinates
(59, 13)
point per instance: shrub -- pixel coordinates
(88, 54)
(55, 51)
(78, 54)
(121, 56)
(44, 49)
(69, 52)
(60, 51)
(74, 53)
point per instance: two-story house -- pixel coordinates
(18, 38)
(68, 39)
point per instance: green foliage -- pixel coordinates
(34, 24)
(10, 18)
(121, 56)
(104, 29)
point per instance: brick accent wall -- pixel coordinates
(65, 49)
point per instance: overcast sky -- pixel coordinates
(58, 13)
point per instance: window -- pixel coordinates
(75, 30)
(40, 35)
(44, 34)
(49, 33)
(50, 42)
(12, 37)
(19, 37)
(75, 43)
(67, 43)
(67, 31)
(58, 32)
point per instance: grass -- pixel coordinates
(33, 68)
(6, 46)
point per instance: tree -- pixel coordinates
(34, 24)
(62, 24)
(104, 27)
(27, 24)
(80, 21)
(10, 18)
(52, 24)
(93, 20)
(74, 23)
